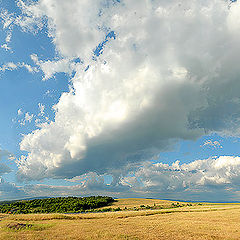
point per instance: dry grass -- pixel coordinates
(137, 202)
(198, 222)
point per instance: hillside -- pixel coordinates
(197, 221)
(55, 205)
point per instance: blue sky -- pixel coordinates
(120, 99)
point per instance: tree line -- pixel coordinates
(56, 205)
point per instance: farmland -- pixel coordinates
(163, 220)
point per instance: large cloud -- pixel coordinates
(171, 73)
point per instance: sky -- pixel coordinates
(121, 98)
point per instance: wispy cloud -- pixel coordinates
(212, 144)
(10, 66)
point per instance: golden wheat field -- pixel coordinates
(199, 221)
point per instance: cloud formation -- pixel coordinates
(212, 144)
(10, 66)
(213, 179)
(4, 169)
(171, 73)
(8, 190)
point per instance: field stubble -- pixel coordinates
(197, 222)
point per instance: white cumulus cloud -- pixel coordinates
(215, 178)
(171, 73)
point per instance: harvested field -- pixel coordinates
(206, 221)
